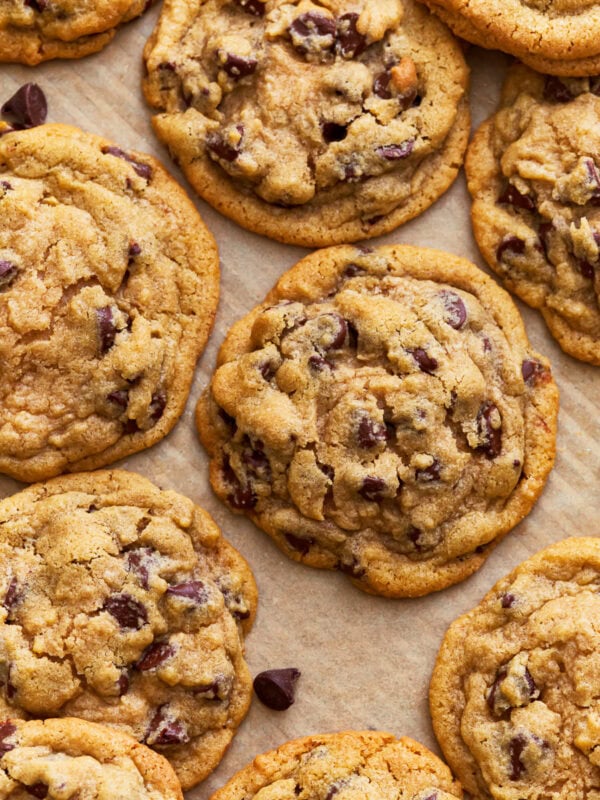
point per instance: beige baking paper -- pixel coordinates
(365, 661)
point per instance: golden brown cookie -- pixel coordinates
(514, 694)
(123, 605)
(383, 413)
(108, 289)
(349, 765)
(534, 173)
(311, 123)
(68, 758)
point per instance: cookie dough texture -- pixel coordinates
(514, 694)
(123, 605)
(63, 758)
(108, 289)
(348, 765)
(382, 413)
(560, 37)
(313, 123)
(32, 31)
(534, 173)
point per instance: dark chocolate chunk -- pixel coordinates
(7, 729)
(372, 487)
(516, 747)
(143, 170)
(352, 270)
(238, 66)
(456, 311)
(371, 433)
(195, 591)
(425, 362)
(8, 272)
(513, 197)
(350, 43)
(216, 144)
(302, 545)
(28, 104)
(555, 91)
(491, 437)
(276, 687)
(123, 684)
(510, 244)
(312, 32)
(153, 656)
(164, 729)
(494, 692)
(106, 328)
(531, 370)
(507, 600)
(332, 132)
(128, 611)
(340, 334)
(381, 85)
(396, 152)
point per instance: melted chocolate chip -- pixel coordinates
(555, 91)
(426, 363)
(492, 696)
(7, 729)
(352, 270)
(370, 433)
(28, 105)
(341, 333)
(530, 370)
(318, 363)
(372, 487)
(8, 272)
(141, 169)
(456, 311)
(396, 152)
(350, 43)
(157, 405)
(153, 656)
(128, 611)
(516, 747)
(137, 562)
(242, 497)
(256, 461)
(587, 270)
(513, 197)
(163, 729)
(381, 85)
(352, 568)
(430, 473)
(299, 543)
(37, 790)
(120, 397)
(134, 250)
(276, 687)
(312, 31)
(254, 7)
(492, 437)
(332, 132)
(106, 328)
(510, 244)
(238, 66)
(507, 600)
(217, 145)
(123, 684)
(195, 591)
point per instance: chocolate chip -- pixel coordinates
(312, 32)
(8, 272)
(7, 729)
(319, 364)
(425, 362)
(494, 692)
(134, 250)
(157, 405)
(396, 152)
(143, 170)
(332, 132)
(516, 747)
(238, 66)
(195, 591)
(456, 311)
(372, 487)
(513, 197)
(106, 328)
(352, 568)
(299, 543)
(555, 91)
(242, 497)
(340, 334)
(507, 600)
(128, 611)
(350, 43)
(254, 7)
(11, 690)
(6, 186)
(327, 470)
(352, 270)
(428, 474)
(28, 105)
(164, 729)
(11, 597)
(534, 692)
(544, 231)
(531, 370)
(123, 684)
(120, 397)
(381, 85)
(491, 437)
(276, 687)
(37, 790)
(217, 145)
(156, 654)
(510, 244)
(137, 561)
(371, 433)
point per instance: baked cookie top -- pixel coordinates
(62, 758)
(311, 122)
(382, 413)
(534, 173)
(138, 624)
(560, 33)
(32, 31)
(108, 288)
(348, 765)
(514, 694)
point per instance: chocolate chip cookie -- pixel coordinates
(68, 758)
(32, 31)
(313, 123)
(534, 172)
(123, 605)
(561, 37)
(514, 694)
(382, 413)
(108, 289)
(348, 765)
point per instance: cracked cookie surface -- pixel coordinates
(348, 765)
(310, 122)
(534, 173)
(555, 36)
(108, 289)
(382, 413)
(138, 623)
(32, 31)
(63, 758)
(514, 696)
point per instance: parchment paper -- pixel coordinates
(365, 661)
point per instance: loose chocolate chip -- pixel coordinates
(530, 370)
(128, 611)
(156, 654)
(516, 747)
(238, 66)
(381, 85)
(28, 105)
(299, 543)
(371, 433)
(12, 595)
(163, 729)
(332, 132)
(555, 91)
(319, 364)
(426, 363)
(456, 312)
(123, 684)
(507, 600)
(120, 397)
(157, 405)
(143, 170)
(372, 487)
(276, 687)
(513, 197)
(491, 437)
(37, 790)
(431, 473)
(8, 272)
(396, 152)
(254, 7)
(510, 244)
(312, 31)
(350, 43)
(195, 591)
(106, 328)
(217, 145)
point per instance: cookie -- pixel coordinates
(123, 605)
(534, 174)
(382, 413)
(312, 124)
(348, 765)
(514, 692)
(32, 31)
(62, 758)
(108, 289)
(556, 36)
